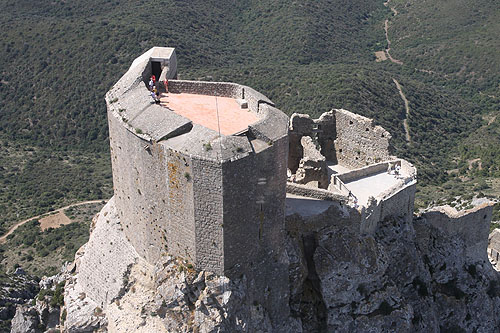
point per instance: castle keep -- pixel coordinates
(186, 181)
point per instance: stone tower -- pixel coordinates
(202, 175)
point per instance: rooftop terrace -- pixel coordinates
(204, 109)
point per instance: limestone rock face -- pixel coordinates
(406, 277)
(26, 320)
(16, 289)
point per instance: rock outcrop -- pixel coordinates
(15, 289)
(43, 313)
(407, 276)
(167, 297)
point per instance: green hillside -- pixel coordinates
(58, 59)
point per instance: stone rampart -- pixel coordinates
(180, 188)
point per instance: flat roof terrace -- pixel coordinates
(203, 109)
(372, 185)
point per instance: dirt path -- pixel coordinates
(59, 210)
(388, 49)
(407, 108)
(386, 29)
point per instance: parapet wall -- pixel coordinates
(223, 89)
(367, 171)
(397, 202)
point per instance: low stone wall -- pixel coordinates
(223, 89)
(366, 171)
(316, 193)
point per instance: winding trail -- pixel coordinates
(407, 108)
(20, 223)
(386, 29)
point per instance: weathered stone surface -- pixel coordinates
(170, 296)
(408, 276)
(26, 320)
(15, 289)
(312, 166)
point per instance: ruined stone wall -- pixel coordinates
(327, 133)
(359, 142)
(471, 226)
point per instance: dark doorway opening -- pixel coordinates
(156, 69)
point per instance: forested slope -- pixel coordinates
(58, 59)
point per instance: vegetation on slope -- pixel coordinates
(307, 57)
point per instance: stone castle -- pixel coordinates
(305, 214)
(218, 200)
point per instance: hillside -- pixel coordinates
(306, 56)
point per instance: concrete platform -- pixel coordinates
(202, 110)
(305, 206)
(371, 186)
(334, 169)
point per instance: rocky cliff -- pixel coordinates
(410, 275)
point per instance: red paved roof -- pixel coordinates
(202, 110)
